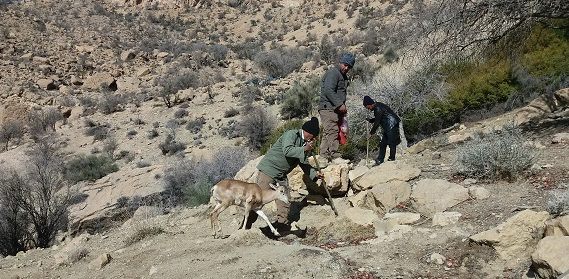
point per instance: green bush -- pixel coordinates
(278, 63)
(189, 181)
(256, 127)
(500, 155)
(301, 99)
(487, 82)
(277, 133)
(89, 167)
(170, 146)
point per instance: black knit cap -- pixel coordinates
(312, 126)
(368, 101)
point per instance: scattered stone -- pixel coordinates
(437, 195)
(96, 81)
(46, 83)
(76, 81)
(357, 172)
(26, 57)
(40, 60)
(382, 198)
(469, 181)
(101, 261)
(127, 55)
(386, 172)
(459, 138)
(515, 238)
(446, 218)
(479, 193)
(162, 55)
(560, 138)
(153, 270)
(550, 259)
(143, 72)
(436, 155)
(361, 216)
(437, 258)
(557, 227)
(403, 218)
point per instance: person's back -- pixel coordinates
(281, 158)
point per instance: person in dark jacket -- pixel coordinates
(332, 104)
(292, 149)
(385, 117)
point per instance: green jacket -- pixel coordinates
(333, 89)
(285, 155)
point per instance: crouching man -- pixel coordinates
(292, 149)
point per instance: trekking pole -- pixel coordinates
(367, 143)
(325, 186)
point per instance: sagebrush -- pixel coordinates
(498, 155)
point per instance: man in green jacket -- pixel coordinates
(332, 104)
(292, 149)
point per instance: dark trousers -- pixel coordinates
(383, 148)
(389, 138)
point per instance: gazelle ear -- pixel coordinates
(273, 186)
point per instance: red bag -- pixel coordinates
(343, 130)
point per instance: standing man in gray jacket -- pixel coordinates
(333, 104)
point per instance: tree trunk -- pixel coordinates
(403, 138)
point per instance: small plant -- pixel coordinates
(279, 63)
(142, 164)
(131, 133)
(256, 127)
(189, 181)
(110, 146)
(89, 167)
(11, 130)
(143, 233)
(558, 202)
(230, 113)
(195, 126)
(170, 146)
(98, 131)
(110, 103)
(181, 113)
(301, 99)
(153, 134)
(501, 154)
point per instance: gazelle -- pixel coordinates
(248, 195)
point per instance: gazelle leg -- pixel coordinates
(247, 210)
(260, 213)
(211, 218)
(216, 213)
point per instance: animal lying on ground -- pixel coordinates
(248, 195)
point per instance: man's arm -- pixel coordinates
(378, 113)
(289, 148)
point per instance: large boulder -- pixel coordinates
(436, 195)
(386, 172)
(249, 172)
(102, 195)
(551, 258)
(515, 238)
(382, 198)
(403, 218)
(98, 80)
(542, 105)
(335, 176)
(361, 216)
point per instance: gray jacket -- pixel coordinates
(333, 90)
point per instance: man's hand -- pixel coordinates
(308, 146)
(342, 109)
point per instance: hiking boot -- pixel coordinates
(282, 228)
